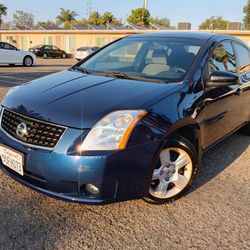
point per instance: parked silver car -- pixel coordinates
(84, 52)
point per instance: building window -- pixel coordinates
(69, 43)
(48, 40)
(100, 41)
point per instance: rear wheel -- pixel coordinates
(45, 56)
(175, 170)
(27, 61)
(246, 129)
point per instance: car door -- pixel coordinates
(48, 49)
(9, 53)
(56, 51)
(243, 56)
(2, 54)
(221, 104)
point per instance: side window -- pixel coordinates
(243, 56)
(223, 58)
(8, 46)
(55, 48)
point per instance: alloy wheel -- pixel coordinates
(28, 61)
(172, 174)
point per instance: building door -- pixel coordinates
(69, 44)
(25, 43)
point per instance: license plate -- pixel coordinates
(12, 159)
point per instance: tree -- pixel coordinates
(3, 12)
(140, 16)
(66, 17)
(108, 17)
(161, 21)
(95, 18)
(246, 20)
(214, 23)
(22, 18)
(47, 23)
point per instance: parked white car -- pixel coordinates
(83, 52)
(11, 55)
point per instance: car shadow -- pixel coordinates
(218, 158)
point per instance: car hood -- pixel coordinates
(78, 100)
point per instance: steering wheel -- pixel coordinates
(177, 69)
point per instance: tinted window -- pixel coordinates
(8, 46)
(223, 58)
(55, 48)
(48, 47)
(243, 56)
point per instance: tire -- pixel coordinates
(63, 56)
(45, 56)
(174, 172)
(246, 129)
(27, 61)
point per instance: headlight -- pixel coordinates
(113, 131)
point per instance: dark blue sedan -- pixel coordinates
(131, 120)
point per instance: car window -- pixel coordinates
(223, 58)
(55, 48)
(48, 47)
(243, 58)
(8, 46)
(165, 59)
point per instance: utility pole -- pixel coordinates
(145, 6)
(89, 9)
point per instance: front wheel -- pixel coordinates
(63, 55)
(45, 56)
(175, 170)
(28, 61)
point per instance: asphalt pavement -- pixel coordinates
(214, 214)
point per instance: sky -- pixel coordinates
(193, 11)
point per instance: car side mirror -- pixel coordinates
(222, 78)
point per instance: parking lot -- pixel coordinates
(214, 214)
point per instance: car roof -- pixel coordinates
(203, 36)
(178, 34)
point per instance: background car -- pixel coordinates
(48, 51)
(9, 54)
(83, 52)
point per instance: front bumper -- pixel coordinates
(119, 175)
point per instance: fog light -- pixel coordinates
(92, 189)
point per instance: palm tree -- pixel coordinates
(66, 17)
(108, 17)
(3, 12)
(95, 18)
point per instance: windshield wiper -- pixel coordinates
(124, 75)
(83, 70)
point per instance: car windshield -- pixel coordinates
(158, 59)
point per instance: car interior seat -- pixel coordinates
(158, 64)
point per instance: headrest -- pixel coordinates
(159, 57)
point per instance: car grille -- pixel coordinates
(39, 133)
